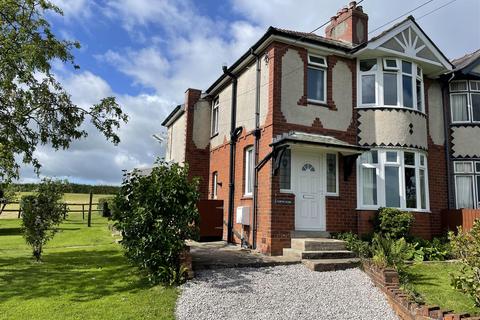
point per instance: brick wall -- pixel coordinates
(197, 159)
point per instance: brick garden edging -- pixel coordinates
(387, 280)
(186, 261)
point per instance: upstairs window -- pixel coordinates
(215, 110)
(391, 82)
(465, 101)
(317, 79)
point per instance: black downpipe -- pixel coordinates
(256, 149)
(446, 121)
(233, 141)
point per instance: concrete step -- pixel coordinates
(331, 264)
(332, 254)
(317, 244)
(309, 234)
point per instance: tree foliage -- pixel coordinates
(156, 214)
(42, 212)
(393, 223)
(34, 107)
(466, 246)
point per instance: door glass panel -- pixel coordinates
(285, 170)
(331, 173)
(410, 188)
(308, 167)
(392, 190)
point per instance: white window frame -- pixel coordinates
(469, 113)
(387, 68)
(379, 88)
(318, 66)
(248, 151)
(215, 185)
(457, 81)
(380, 169)
(336, 193)
(215, 110)
(477, 84)
(474, 175)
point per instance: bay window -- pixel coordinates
(392, 178)
(467, 184)
(465, 101)
(317, 79)
(390, 82)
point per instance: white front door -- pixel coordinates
(309, 193)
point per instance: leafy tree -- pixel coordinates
(42, 212)
(34, 107)
(156, 214)
(466, 246)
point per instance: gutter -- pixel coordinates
(234, 133)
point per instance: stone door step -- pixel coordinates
(317, 244)
(309, 234)
(331, 264)
(330, 254)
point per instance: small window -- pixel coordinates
(406, 67)
(316, 85)
(409, 158)
(390, 64)
(422, 160)
(477, 167)
(368, 65)
(459, 107)
(474, 85)
(249, 171)
(370, 157)
(458, 86)
(285, 170)
(215, 185)
(392, 156)
(318, 61)
(463, 167)
(331, 173)
(215, 112)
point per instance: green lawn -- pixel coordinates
(84, 275)
(433, 282)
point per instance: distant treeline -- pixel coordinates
(70, 188)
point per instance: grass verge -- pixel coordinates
(433, 282)
(84, 275)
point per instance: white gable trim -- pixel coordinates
(376, 44)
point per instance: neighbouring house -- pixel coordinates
(308, 135)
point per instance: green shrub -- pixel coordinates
(466, 247)
(439, 249)
(355, 244)
(393, 223)
(156, 214)
(42, 212)
(105, 205)
(391, 253)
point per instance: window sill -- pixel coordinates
(332, 194)
(317, 103)
(402, 209)
(286, 191)
(247, 197)
(378, 107)
(214, 135)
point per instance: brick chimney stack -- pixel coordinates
(349, 25)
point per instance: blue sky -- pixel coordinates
(147, 52)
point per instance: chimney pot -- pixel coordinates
(352, 4)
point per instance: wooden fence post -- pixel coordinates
(19, 212)
(83, 211)
(64, 211)
(90, 210)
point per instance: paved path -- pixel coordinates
(219, 254)
(281, 292)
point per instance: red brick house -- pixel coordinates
(306, 135)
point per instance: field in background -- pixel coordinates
(68, 197)
(84, 275)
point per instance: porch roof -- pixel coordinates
(295, 137)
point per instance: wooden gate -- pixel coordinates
(211, 219)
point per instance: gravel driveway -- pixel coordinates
(283, 292)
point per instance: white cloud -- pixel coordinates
(75, 9)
